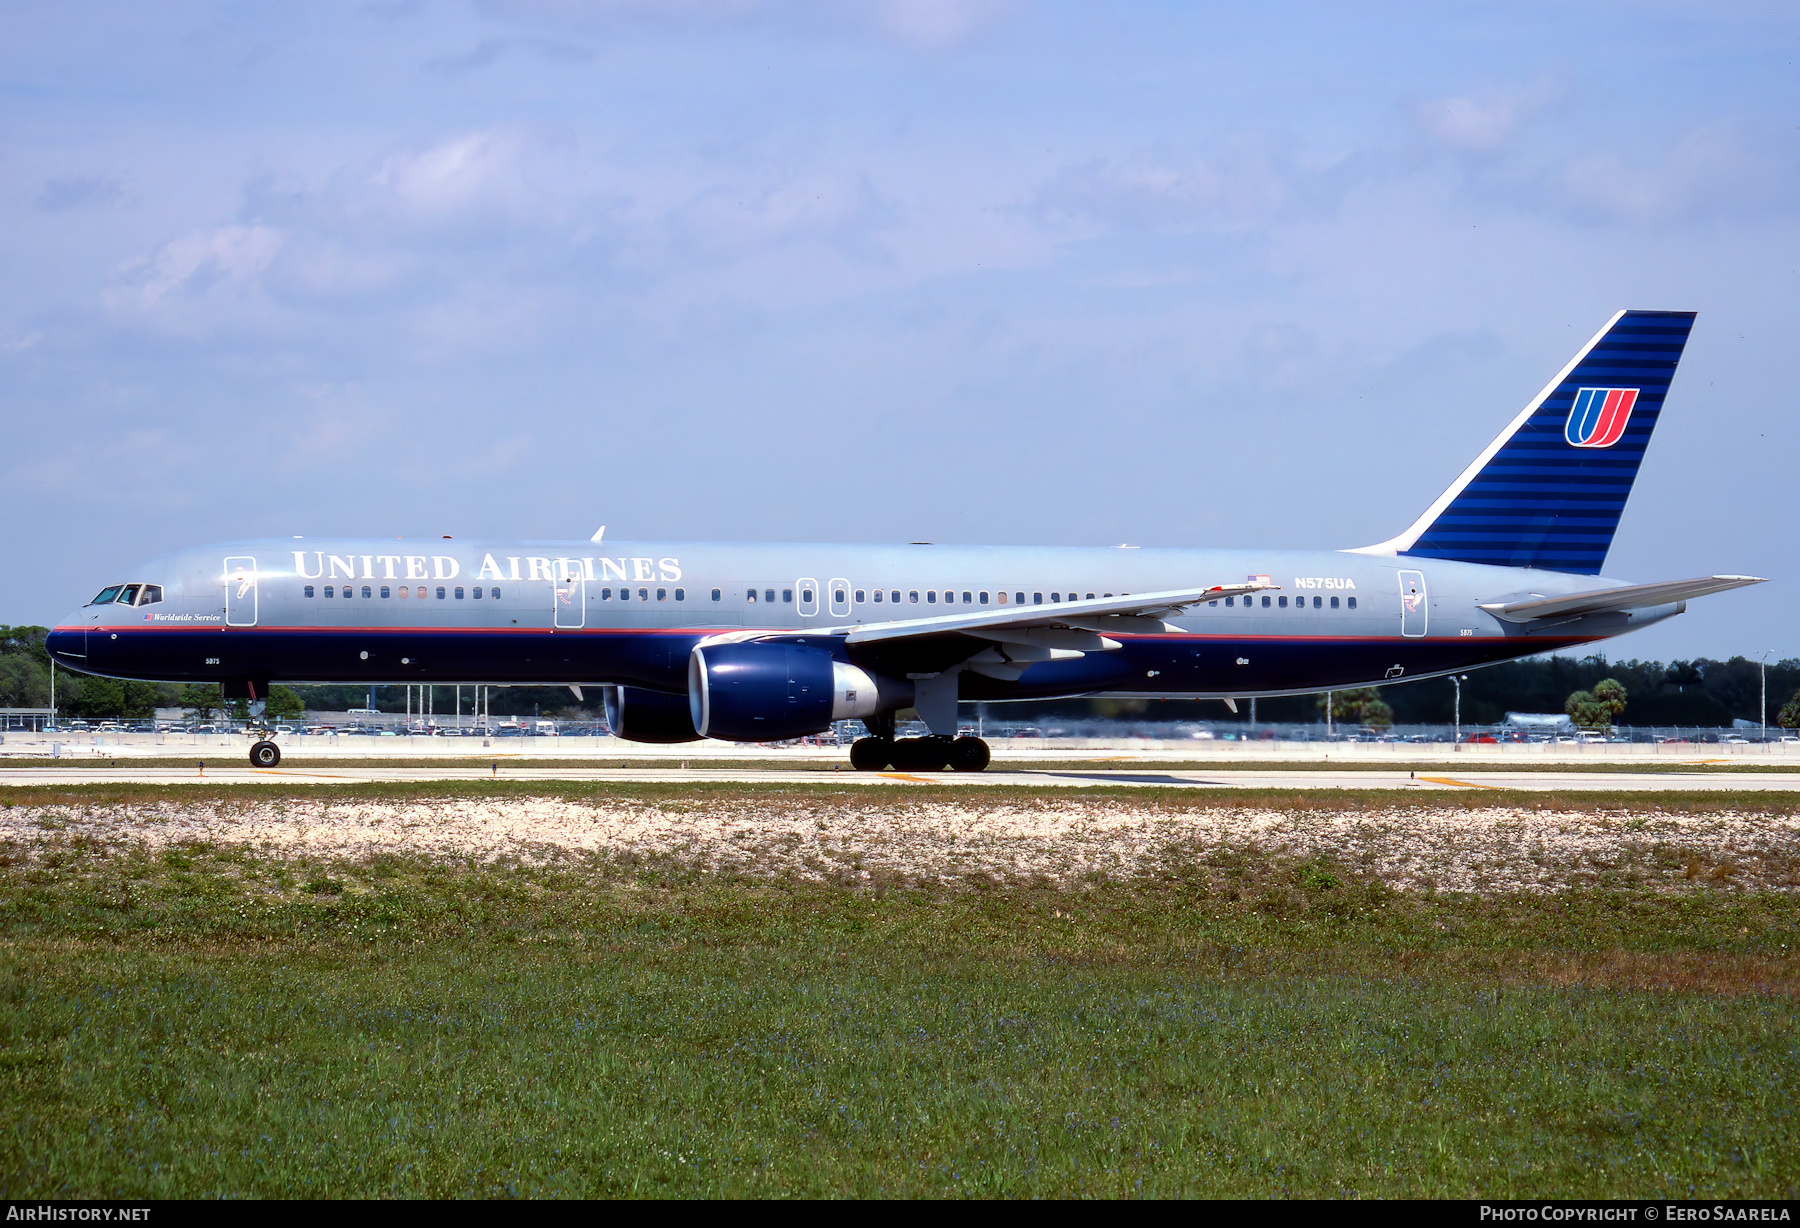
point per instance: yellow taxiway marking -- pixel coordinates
(903, 776)
(1465, 784)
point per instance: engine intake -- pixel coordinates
(768, 692)
(638, 715)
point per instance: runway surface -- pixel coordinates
(1673, 779)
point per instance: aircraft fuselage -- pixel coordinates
(629, 613)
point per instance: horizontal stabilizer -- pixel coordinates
(1630, 597)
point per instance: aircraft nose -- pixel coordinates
(67, 641)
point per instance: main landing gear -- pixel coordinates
(932, 754)
(264, 754)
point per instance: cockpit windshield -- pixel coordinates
(129, 594)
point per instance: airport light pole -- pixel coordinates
(1762, 708)
(1457, 681)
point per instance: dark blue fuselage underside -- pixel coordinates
(658, 660)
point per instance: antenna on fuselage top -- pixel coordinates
(597, 536)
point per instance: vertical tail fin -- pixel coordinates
(1549, 491)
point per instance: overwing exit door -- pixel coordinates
(569, 594)
(240, 591)
(1413, 609)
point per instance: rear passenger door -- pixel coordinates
(1415, 610)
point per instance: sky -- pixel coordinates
(880, 270)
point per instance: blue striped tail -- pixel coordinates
(1550, 490)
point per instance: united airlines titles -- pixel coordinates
(323, 566)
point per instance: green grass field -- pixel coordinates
(206, 1021)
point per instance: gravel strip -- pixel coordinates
(890, 840)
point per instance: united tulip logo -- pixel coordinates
(1599, 415)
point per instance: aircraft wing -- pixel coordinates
(1630, 597)
(1131, 612)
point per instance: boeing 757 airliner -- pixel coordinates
(757, 643)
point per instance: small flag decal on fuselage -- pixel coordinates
(1599, 415)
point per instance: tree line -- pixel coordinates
(1700, 692)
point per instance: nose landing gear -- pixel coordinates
(933, 754)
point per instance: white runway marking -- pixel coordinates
(1537, 782)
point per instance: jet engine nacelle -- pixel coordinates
(767, 692)
(638, 715)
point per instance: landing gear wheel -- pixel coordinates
(929, 754)
(969, 755)
(921, 754)
(871, 754)
(264, 754)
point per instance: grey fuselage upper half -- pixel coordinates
(629, 613)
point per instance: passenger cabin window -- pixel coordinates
(1282, 602)
(404, 592)
(681, 594)
(1318, 602)
(309, 590)
(1265, 603)
(1037, 599)
(1056, 596)
(331, 590)
(717, 595)
(930, 597)
(643, 594)
(662, 594)
(860, 598)
(1352, 603)
(459, 594)
(367, 594)
(750, 596)
(913, 596)
(625, 595)
(605, 594)
(494, 593)
(879, 594)
(477, 593)
(1334, 603)
(1090, 597)
(422, 592)
(346, 592)
(984, 599)
(969, 598)
(384, 592)
(837, 596)
(1018, 598)
(1228, 602)
(787, 596)
(894, 597)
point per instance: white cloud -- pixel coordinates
(225, 262)
(1720, 169)
(1486, 121)
(937, 23)
(1252, 181)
